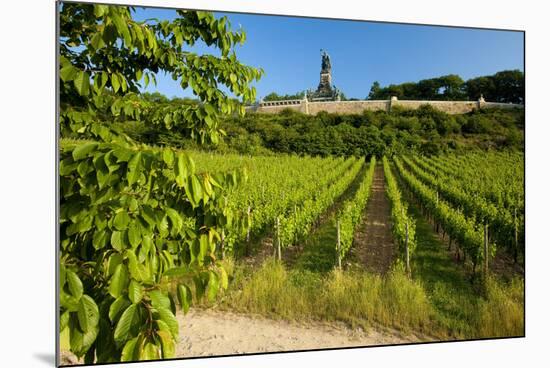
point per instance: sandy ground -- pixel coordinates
(207, 332)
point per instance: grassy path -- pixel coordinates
(449, 290)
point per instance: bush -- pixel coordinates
(477, 124)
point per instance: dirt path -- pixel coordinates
(207, 332)
(373, 241)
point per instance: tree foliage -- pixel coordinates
(132, 215)
(276, 97)
(504, 86)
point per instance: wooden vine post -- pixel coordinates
(437, 204)
(486, 249)
(295, 224)
(248, 231)
(515, 236)
(407, 259)
(338, 245)
(278, 241)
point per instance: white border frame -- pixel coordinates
(27, 190)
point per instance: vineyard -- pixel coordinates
(474, 201)
(458, 247)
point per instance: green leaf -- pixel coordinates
(181, 169)
(199, 286)
(163, 326)
(167, 119)
(146, 78)
(223, 278)
(118, 240)
(167, 317)
(130, 318)
(177, 271)
(102, 178)
(137, 271)
(122, 28)
(210, 110)
(82, 341)
(121, 220)
(213, 286)
(64, 320)
(116, 308)
(114, 260)
(209, 121)
(128, 352)
(134, 234)
(196, 189)
(88, 313)
(167, 343)
(204, 246)
(115, 82)
(185, 298)
(150, 352)
(163, 226)
(104, 80)
(82, 83)
(100, 239)
(119, 281)
(175, 218)
(84, 150)
(68, 73)
(148, 215)
(75, 285)
(99, 10)
(135, 291)
(97, 41)
(159, 299)
(134, 168)
(168, 156)
(146, 244)
(68, 301)
(123, 82)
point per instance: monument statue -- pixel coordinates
(326, 91)
(325, 62)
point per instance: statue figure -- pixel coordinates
(325, 63)
(326, 91)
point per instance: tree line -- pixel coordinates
(506, 86)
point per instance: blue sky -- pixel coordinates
(287, 48)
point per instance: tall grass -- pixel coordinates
(502, 312)
(362, 299)
(353, 297)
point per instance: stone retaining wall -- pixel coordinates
(357, 107)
